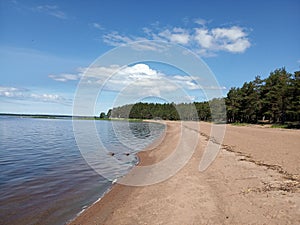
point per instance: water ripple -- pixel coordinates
(43, 176)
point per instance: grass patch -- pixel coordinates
(279, 126)
(239, 124)
(290, 125)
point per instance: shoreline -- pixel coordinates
(138, 156)
(143, 157)
(170, 202)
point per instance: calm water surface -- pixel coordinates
(43, 176)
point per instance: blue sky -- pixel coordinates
(45, 46)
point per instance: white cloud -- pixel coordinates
(139, 70)
(188, 81)
(47, 97)
(238, 46)
(200, 21)
(134, 82)
(65, 77)
(176, 35)
(203, 37)
(13, 92)
(232, 33)
(97, 74)
(200, 39)
(233, 39)
(137, 78)
(141, 79)
(213, 87)
(116, 39)
(52, 10)
(97, 26)
(26, 94)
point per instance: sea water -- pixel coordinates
(44, 178)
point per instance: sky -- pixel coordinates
(49, 48)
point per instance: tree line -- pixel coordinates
(166, 111)
(275, 99)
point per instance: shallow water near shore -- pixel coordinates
(44, 178)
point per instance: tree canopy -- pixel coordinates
(275, 99)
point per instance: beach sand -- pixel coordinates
(253, 180)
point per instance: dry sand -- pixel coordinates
(254, 180)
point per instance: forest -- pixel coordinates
(275, 99)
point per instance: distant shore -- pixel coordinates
(38, 116)
(289, 125)
(254, 180)
(46, 116)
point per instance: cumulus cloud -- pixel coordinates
(233, 39)
(141, 79)
(204, 39)
(176, 35)
(136, 78)
(232, 33)
(199, 38)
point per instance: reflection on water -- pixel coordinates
(43, 177)
(141, 130)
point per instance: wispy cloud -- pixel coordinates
(16, 93)
(64, 77)
(201, 21)
(97, 26)
(176, 35)
(13, 92)
(204, 41)
(52, 10)
(116, 39)
(213, 87)
(48, 98)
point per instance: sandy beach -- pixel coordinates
(254, 180)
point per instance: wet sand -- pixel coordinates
(253, 180)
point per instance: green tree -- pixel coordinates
(276, 98)
(276, 95)
(109, 113)
(293, 110)
(102, 115)
(233, 104)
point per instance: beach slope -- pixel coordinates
(253, 180)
